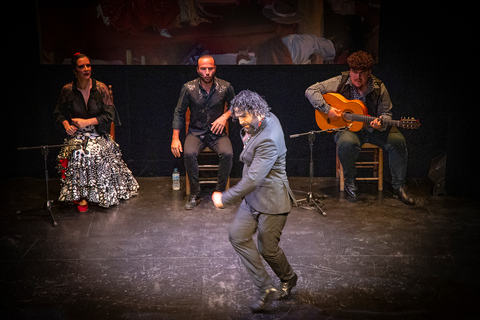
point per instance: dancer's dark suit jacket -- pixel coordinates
(264, 183)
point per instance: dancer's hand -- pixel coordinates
(217, 199)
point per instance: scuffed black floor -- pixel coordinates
(148, 258)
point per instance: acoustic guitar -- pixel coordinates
(355, 113)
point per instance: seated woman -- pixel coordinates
(91, 162)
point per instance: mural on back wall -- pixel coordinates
(235, 32)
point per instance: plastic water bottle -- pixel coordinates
(175, 179)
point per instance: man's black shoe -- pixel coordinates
(192, 202)
(287, 286)
(263, 299)
(401, 194)
(351, 188)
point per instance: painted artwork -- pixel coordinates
(234, 32)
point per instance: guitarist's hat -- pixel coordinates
(284, 12)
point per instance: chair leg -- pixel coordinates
(380, 170)
(337, 167)
(339, 171)
(187, 184)
(342, 179)
(375, 166)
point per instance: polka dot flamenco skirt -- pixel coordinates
(95, 172)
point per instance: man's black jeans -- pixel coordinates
(222, 147)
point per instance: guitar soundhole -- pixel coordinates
(347, 116)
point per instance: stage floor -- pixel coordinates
(148, 258)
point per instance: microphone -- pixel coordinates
(294, 135)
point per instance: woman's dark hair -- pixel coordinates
(75, 58)
(249, 101)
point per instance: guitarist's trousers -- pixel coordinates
(391, 141)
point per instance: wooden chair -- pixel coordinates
(376, 164)
(112, 125)
(207, 161)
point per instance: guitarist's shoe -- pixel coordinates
(401, 194)
(351, 188)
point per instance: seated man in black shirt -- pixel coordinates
(206, 97)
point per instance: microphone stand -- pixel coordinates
(312, 200)
(45, 150)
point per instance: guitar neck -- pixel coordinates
(368, 119)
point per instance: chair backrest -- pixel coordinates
(112, 125)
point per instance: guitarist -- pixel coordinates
(359, 83)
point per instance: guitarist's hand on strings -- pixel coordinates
(334, 113)
(376, 124)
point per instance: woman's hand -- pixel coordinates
(82, 123)
(71, 130)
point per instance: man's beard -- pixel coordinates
(207, 79)
(252, 126)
